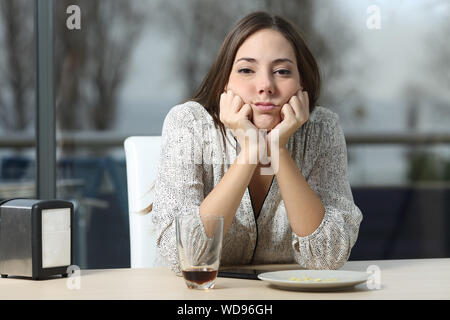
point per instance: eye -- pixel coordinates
(283, 72)
(245, 70)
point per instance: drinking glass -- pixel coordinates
(199, 260)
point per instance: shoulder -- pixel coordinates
(185, 113)
(322, 122)
(322, 128)
(322, 115)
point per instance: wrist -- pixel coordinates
(278, 148)
(248, 155)
(279, 156)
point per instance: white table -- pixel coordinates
(400, 279)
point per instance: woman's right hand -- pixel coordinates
(236, 116)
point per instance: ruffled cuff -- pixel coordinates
(327, 247)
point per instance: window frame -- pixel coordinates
(45, 99)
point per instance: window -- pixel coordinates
(119, 66)
(17, 100)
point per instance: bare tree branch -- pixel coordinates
(71, 64)
(17, 81)
(92, 63)
(117, 26)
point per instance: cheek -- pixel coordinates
(289, 90)
(240, 87)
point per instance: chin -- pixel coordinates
(267, 124)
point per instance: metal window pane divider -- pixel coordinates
(45, 100)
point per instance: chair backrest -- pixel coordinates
(142, 158)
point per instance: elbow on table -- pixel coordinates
(339, 260)
(327, 259)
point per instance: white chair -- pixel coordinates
(142, 158)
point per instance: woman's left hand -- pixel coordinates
(293, 115)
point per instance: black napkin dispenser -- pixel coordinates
(36, 238)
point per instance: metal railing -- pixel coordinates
(111, 139)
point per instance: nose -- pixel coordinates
(265, 84)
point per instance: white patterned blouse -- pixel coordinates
(194, 159)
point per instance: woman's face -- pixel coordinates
(265, 75)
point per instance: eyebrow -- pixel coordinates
(252, 60)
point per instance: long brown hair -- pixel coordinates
(208, 94)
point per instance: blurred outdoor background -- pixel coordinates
(131, 61)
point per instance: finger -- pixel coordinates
(304, 111)
(305, 99)
(223, 96)
(287, 111)
(222, 100)
(246, 111)
(236, 104)
(229, 96)
(296, 105)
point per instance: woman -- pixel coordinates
(264, 79)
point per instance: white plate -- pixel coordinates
(314, 280)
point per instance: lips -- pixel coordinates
(265, 106)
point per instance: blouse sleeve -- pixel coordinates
(179, 184)
(329, 246)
